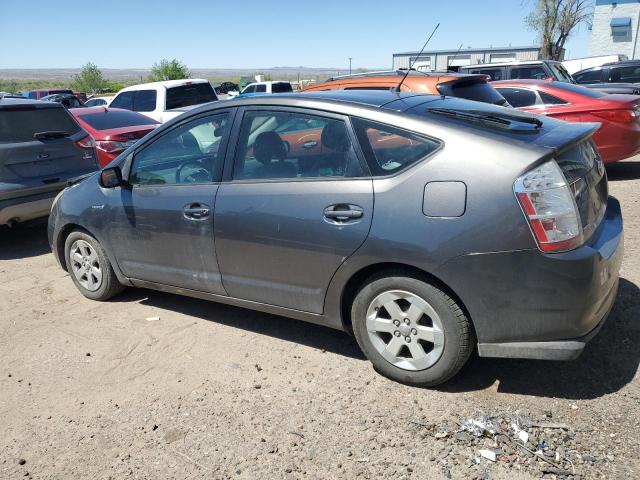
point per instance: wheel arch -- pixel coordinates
(359, 278)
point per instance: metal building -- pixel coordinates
(442, 59)
(616, 25)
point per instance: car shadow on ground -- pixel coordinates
(24, 240)
(609, 362)
(623, 171)
(295, 331)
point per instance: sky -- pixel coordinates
(254, 34)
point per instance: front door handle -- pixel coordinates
(196, 211)
(309, 144)
(341, 213)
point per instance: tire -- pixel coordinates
(410, 330)
(89, 267)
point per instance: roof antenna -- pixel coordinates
(397, 89)
(453, 58)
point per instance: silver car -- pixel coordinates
(428, 226)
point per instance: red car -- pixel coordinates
(619, 136)
(113, 129)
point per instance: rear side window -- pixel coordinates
(494, 73)
(20, 125)
(144, 101)
(261, 89)
(114, 119)
(281, 88)
(519, 97)
(548, 99)
(186, 95)
(533, 71)
(389, 149)
(593, 76)
(477, 90)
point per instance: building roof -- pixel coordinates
(472, 50)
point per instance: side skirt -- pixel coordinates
(236, 302)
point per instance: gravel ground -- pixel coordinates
(91, 390)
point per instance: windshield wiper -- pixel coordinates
(51, 134)
(497, 119)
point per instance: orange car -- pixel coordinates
(471, 87)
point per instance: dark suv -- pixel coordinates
(41, 148)
(536, 70)
(617, 72)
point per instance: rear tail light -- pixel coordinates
(110, 146)
(620, 116)
(549, 207)
(87, 144)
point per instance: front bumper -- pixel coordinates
(527, 304)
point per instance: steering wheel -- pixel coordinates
(200, 171)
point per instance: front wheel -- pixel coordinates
(412, 331)
(89, 267)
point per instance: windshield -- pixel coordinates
(115, 119)
(560, 73)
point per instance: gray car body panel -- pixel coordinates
(486, 258)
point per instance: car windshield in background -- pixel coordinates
(560, 73)
(281, 88)
(113, 119)
(20, 125)
(186, 95)
(573, 88)
(479, 91)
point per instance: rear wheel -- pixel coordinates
(89, 267)
(411, 330)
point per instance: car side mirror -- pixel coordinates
(111, 177)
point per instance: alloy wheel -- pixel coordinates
(85, 265)
(405, 329)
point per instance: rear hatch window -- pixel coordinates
(186, 95)
(472, 89)
(585, 174)
(21, 124)
(113, 119)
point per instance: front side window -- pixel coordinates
(261, 89)
(534, 72)
(592, 76)
(288, 145)
(249, 89)
(560, 72)
(389, 149)
(519, 97)
(190, 153)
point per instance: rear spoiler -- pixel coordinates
(567, 133)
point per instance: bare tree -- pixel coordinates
(554, 20)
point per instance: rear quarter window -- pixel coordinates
(186, 95)
(20, 125)
(389, 149)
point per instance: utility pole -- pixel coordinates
(350, 58)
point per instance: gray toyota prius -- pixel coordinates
(426, 225)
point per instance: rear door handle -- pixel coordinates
(342, 213)
(196, 211)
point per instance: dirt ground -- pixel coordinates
(104, 390)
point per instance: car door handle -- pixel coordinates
(196, 211)
(309, 144)
(342, 212)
